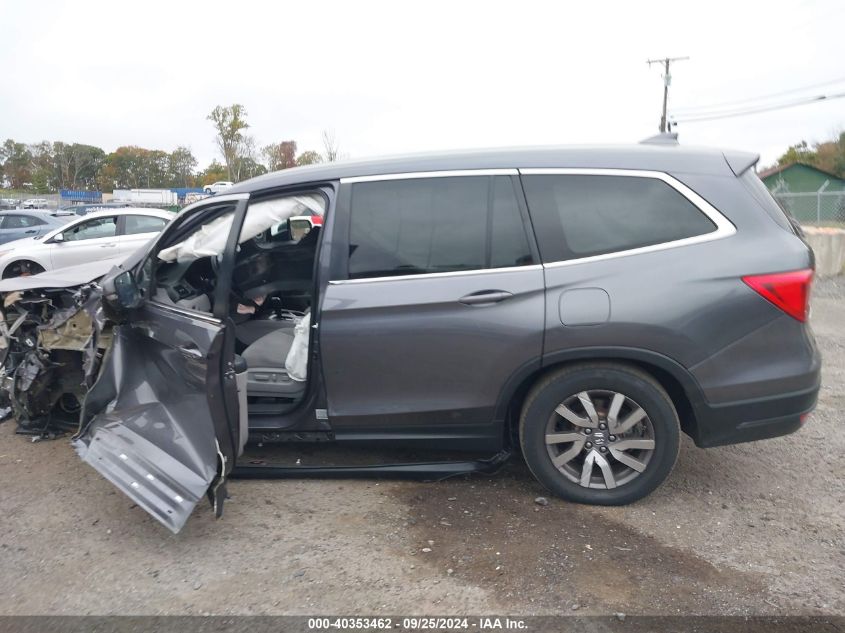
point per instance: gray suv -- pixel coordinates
(581, 305)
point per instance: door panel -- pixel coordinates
(423, 358)
(89, 241)
(128, 244)
(166, 398)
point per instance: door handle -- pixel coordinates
(111, 245)
(31, 231)
(485, 297)
(189, 351)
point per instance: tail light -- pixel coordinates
(788, 291)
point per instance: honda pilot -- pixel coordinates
(582, 306)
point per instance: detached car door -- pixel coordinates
(165, 420)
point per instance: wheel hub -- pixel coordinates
(600, 438)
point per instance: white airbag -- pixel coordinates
(296, 363)
(210, 239)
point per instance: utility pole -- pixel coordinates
(667, 79)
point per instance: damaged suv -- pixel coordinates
(584, 306)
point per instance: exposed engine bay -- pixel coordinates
(52, 344)
(53, 339)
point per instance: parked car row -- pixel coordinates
(36, 241)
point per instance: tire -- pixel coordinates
(22, 268)
(556, 424)
(208, 191)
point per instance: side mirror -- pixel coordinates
(58, 238)
(120, 293)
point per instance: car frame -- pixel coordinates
(604, 358)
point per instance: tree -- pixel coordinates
(181, 165)
(828, 156)
(17, 164)
(309, 157)
(331, 150)
(280, 155)
(214, 172)
(229, 123)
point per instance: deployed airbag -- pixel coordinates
(210, 239)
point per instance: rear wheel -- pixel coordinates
(23, 268)
(600, 433)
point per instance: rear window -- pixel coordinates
(578, 215)
(764, 198)
(143, 224)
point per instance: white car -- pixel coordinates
(96, 236)
(217, 187)
(35, 203)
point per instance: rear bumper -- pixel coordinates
(749, 420)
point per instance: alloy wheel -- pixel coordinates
(600, 439)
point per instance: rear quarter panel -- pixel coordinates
(690, 304)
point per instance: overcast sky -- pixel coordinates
(413, 76)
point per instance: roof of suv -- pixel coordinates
(649, 156)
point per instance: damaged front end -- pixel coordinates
(52, 342)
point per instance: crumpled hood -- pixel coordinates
(62, 278)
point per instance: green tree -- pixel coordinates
(229, 123)
(181, 166)
(309, 157)
(17, 164)
(280, 155)
(214, 172)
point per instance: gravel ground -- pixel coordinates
(751, 529)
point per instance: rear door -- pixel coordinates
(91, 240)
(135, 230)
(15, 227)
(163, 420)
(436, 300)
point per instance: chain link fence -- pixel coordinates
(818, 209)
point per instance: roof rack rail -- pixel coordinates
(664, 138)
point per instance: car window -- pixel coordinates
(431, 225)
(509, 241)
(582, 215)
(143, 224)
(20, 221)
(92, 229)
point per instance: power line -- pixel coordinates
(691, 110)
(769, 108)
(667, 80)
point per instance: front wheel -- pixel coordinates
(208, 191)
(600, 433)
(23, 268)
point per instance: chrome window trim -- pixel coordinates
(430, 174)
(724, 227)
(454, 273)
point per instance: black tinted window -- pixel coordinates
(143, 224)
(579, 215)
(430, 225)
(509, 242)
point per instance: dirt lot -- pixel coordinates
(751, 529)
